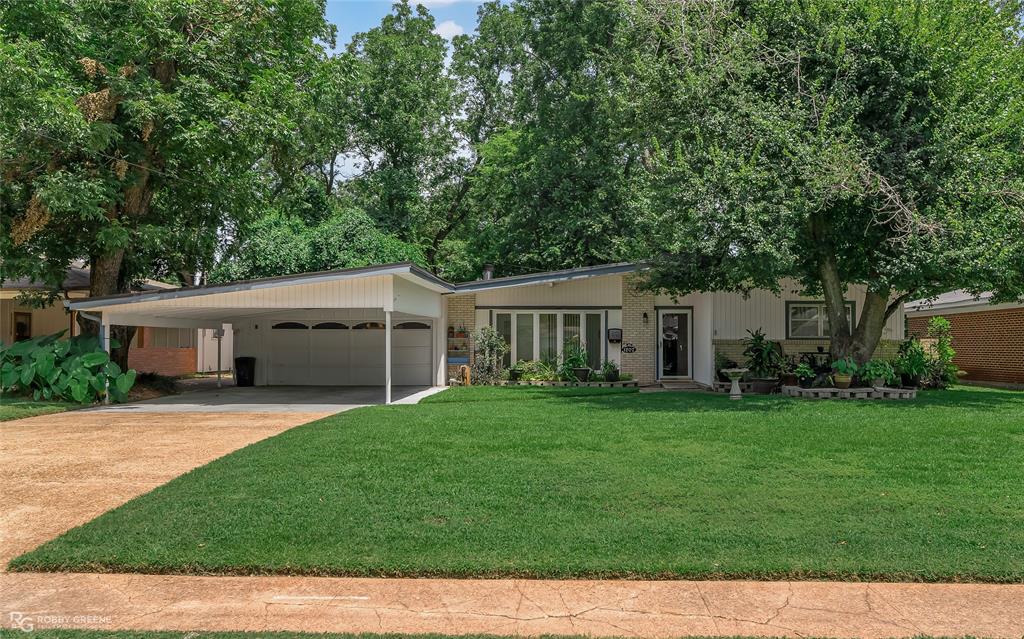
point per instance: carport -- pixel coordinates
(373, 326)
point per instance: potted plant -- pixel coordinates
(515, 371)
(878, 372)
(764, 359)
(911, 363)
(788, 372)
(844, 370)
(805, 374)
(574, 361)
(610, 371)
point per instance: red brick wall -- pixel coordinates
(989, 345)
(165, 361)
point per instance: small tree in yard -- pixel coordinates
(834, 142)
(489, 353)
(941, 369)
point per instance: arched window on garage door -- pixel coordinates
(369, 325)
(291, 325)
(412, 326)
(329, 326)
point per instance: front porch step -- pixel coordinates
(682, 386)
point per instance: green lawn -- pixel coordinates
(18, 407)
(659, 485)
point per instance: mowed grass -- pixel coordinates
(18, 407)
(618, 485)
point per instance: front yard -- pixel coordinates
(630, 485)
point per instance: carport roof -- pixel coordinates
(412, 271)
(400, 268)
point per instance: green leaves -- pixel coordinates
(50, 368)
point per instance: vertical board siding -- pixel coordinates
(593, 291)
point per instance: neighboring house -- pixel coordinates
(167, 351)
(988, 338)
(399, 324)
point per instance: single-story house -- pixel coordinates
(164, 350)
(398, 324)
(988, 338)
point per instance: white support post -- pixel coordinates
(387, 356)
(105, 340)
(220, 338)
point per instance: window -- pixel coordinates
(524, 336)
(503, 324)
(549, 337)
(412, 326)
(286, 325)
(22, 326)
(543, 334)
(808, 320)
(329, 326)
(593, 340)
(369, 325)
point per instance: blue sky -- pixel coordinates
(353, 16)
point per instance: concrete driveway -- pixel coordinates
(60, 471)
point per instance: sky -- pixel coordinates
(452, 17)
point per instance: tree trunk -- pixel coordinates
(105, 279)
(869, 329)
(835, 307)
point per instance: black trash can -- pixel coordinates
(245, 371)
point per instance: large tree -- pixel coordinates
(837, 142)
(133, 130)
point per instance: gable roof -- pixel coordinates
(958, 299)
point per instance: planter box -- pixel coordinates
(866, 392)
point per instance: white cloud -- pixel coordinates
(449, 29)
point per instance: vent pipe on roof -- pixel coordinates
(488, 271)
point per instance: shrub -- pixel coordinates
(941, 371)
(845, 366)
(490, 348)
(537, 371)
(764, 357)
(75, 369)
(912, 361)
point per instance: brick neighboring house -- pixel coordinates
(988, 338)
(167, 351)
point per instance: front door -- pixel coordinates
(675, 353)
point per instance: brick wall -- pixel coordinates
(989, 345)
(733, 348)
(635, 302)
(461, 312)
(165, 361)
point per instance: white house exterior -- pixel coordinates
(397, 324)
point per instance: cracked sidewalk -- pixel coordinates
(517, 607)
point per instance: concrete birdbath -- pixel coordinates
(735, 375)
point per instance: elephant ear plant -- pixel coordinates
(50, 368)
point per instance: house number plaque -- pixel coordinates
(628, 348)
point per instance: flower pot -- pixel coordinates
(910, 381)
(514, 375)
(878, 381)
(611, 377)
(763, 385)
(842, 381)
(582, 374)
(806, 382)
(789, 379)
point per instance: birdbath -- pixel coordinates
(734, 375)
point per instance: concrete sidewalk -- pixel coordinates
(514, 607)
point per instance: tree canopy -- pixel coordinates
(731, 144)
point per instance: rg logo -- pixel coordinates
(21, 621)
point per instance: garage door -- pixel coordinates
(331, 353)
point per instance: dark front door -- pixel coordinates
(675, 344)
